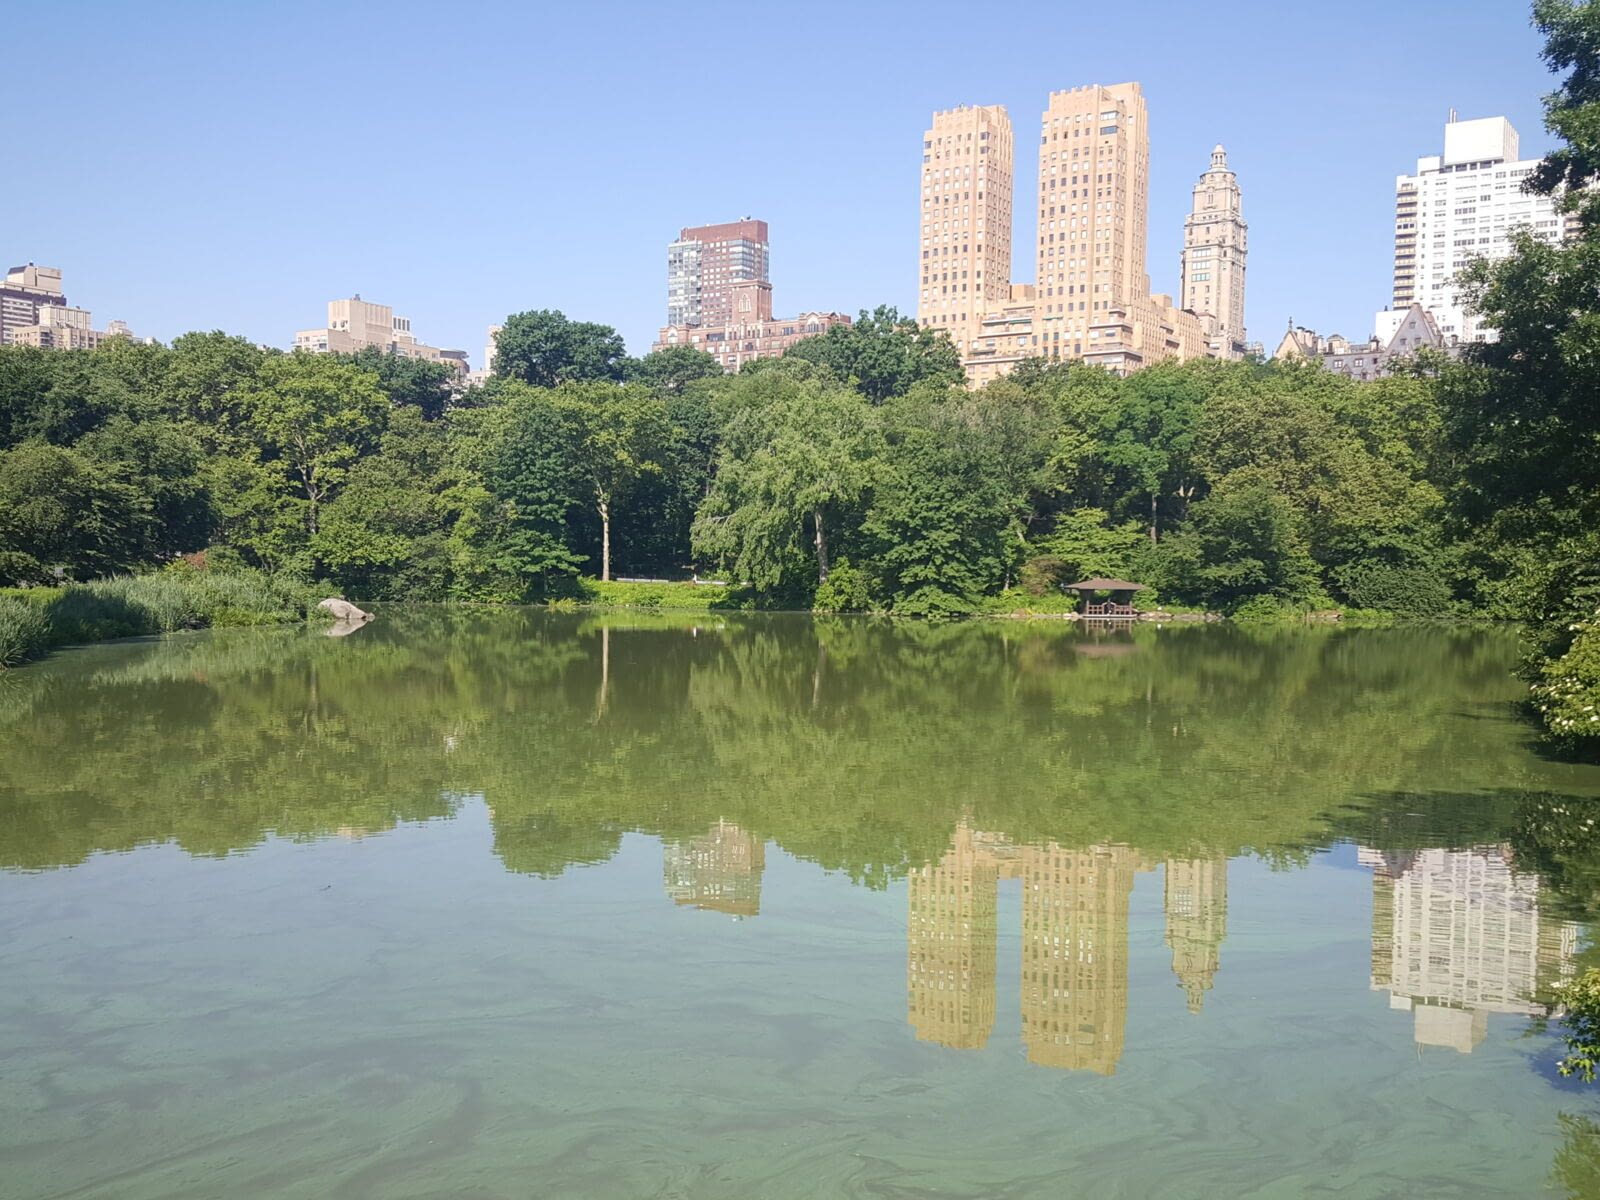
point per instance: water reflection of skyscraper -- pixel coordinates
(1075, 954)
(719, 870)
(1197, 921)
(950, 937)
(1074, 968)
(1458, 934)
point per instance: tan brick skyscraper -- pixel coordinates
(966, 219)
(1094, 200)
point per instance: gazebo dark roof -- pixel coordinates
(1105, 585)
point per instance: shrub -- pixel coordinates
(1408, 591)
(135, 605)
(24, 631)
(690, 597)
(1016, 600)
(934, 604)
(1261, 610)
(1042, 574)
(845, 590)
(130, 605)
(1567, 693)
(1581, 999)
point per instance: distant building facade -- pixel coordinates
(23, 292)
(34, 312)
(745, 341)
(719, 298)
(356, 324)
(705, 266)
(1413, 329)
(58, 327)
(1458, 206)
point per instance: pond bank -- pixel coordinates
(34, 621)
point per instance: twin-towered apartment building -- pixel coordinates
(1091, 297)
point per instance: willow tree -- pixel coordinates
(797, 457)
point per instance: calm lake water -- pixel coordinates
(521, 904)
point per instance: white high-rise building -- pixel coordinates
(1460, 205)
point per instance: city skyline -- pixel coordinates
(204, 223)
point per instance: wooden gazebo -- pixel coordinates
(1119, 602)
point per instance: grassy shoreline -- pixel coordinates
(34, 621)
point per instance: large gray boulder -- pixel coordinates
(342, 610)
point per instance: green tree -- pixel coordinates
(939, 527)
(162, 461)
(1149, 440)
(208, 375)
(1520, 411)
(1305, 432)
(1245, 540)
(1571, 31)
(671, 369)
(408, 382)
(796, 459)
(522, 528)
(883, 354)
(387, 534)
(620, 435)
(544, 348)
(61, 511)
(311, 416)
(1087, 544)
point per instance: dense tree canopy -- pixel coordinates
(380, 475)
(883, 354)
(544, 348)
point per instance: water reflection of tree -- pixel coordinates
(1577, 1164)
(853, 743)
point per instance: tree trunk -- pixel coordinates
(1152, 518)
(605, 672)
(605, 539)
(308, 481)
(822, 546)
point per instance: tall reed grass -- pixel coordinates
(33, 620)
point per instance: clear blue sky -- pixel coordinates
(235, 165)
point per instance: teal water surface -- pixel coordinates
(522, 904)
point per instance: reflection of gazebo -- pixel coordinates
(1120, 601)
